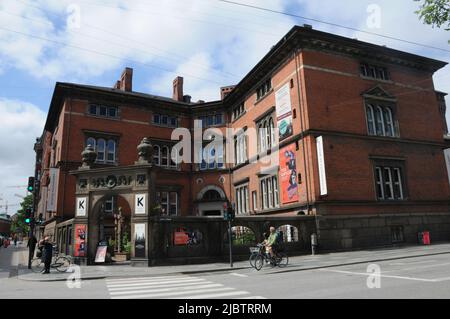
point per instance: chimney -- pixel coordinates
(187, 98)
(178, 89)
(126, 80)
(224, 91)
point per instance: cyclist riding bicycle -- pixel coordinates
(271, 242)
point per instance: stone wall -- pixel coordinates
(352, 232)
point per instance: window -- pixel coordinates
(263, 89)
(106, 149)
(165, 120)
(211, 120)
(168, 202)
(165, 156)
(156, 155)
(209, 158)
(254, 199)
(109, 205)
(240, 148)
(162, 156)
(397, 234)
(373, 71)
(238, 111)
(380, 120)
(242, 205)
(103, 110)
(266, 134)
(269, 192)
(388, 182)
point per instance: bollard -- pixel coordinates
(314, 244)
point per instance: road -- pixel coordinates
(417, 277)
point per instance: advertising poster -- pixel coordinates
(52, 189)
(139, 240)
(183, 236)
(284, 112)
(288, 175)
(80, 240)
(321, 165)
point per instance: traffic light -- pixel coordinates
(30, 187)
(28, 213)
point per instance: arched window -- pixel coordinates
(268, 134)
(262, 140)
(111, 157)
(156, 155)
(91, 141)
(101, 145)
(379, 120)
(370, 120)
(272, 132)
(165, 156)
(389, 125)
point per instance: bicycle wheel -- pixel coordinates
(62, 264)
(37, 265)
(259, 262)
(283, 260)
(252, 259)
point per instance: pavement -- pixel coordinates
(296, 263)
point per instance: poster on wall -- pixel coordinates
(139, 240)
(321, 166)
(288, 175)
(284, 112)
(139, 204)
(80, 240)
(447, 162)
(184, 236)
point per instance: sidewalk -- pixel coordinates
(297, 263)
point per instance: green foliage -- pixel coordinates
(435, 12)
(126, 243)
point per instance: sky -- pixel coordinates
(211, 43)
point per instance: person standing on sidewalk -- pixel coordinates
(47, 255)
(15, 240)
(31, 247)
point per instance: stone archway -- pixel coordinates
(210, 201)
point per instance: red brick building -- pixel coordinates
(360, 129)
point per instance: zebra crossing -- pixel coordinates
(172, 287)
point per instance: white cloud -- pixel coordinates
(20, 124)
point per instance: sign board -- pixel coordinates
(100, 254)
(181, 238)
(447, 162)
(81, 206)
(52, 190)
(321, 165)
(139, 204)
(80, 240)
(288, 175)
(284, 112)
(139, 240)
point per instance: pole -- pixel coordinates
(230, 243)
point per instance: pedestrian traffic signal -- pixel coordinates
(28, 213)
(30, 187)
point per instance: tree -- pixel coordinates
(435, 12)
(19, 222)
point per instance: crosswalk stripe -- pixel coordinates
(169, 294)
(164, 289)
(191, 284)
(141, 278)
(147, 280)
(155, 283)
(225, 294)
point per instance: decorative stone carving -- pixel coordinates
(141, 179)
(89, 155)
(145, 151)
(111, 181)
(82, 183)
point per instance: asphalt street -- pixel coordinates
(417, 277)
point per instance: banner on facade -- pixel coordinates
(283, 111)
(321, 166)
(288, 174)
(81, 208)
(139, 204)
(447, 162)
(52, 191)
(80, 240)
(139, 240)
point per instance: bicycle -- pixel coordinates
(280, 258)
(60, 263)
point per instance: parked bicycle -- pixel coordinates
(60, 263)
(258, 257)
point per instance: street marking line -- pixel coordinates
(251, 297)
(155, 282)
(191, 284)
(205, 296)
(238, 275)
(118, 281)
(163, 289)
(169, 294)
(378, 275)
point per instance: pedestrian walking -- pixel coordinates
(15, 240)
(47, 254)
(32, 241)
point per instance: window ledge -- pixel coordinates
(364, 77)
